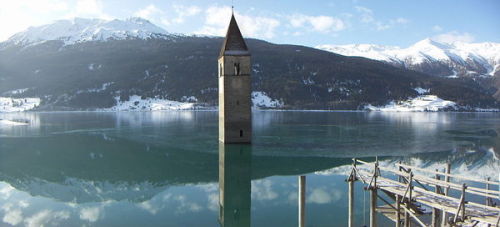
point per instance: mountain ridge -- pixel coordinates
(87, 74)
(79, 30)
(450, 60)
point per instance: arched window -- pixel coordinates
(237, 69)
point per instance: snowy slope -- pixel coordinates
(80, 30)
(461, 59)
(422, 103)
(18, 105)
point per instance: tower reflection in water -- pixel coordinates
(235, 162)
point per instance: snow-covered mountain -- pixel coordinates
(80, 30)
(88, 64)
(436, 58)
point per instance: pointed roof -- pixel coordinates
(234, 44)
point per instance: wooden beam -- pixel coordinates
(398, 213)
(448, 174)
(435, 212)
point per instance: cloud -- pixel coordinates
(185, 11)
(45, 217)
(13, 217)
(321, 196)
(85, 9)
(90, 214)
(366, 16)
(399, 20)
(217, 20)
(262, 190)
(89, 8)
(324, 24)
(18, 15)
(437, 28)
(454, 36)
(154, 14)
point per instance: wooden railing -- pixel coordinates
(408, 179)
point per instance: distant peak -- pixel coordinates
(138, 20)
(430, 42)
(78, 30)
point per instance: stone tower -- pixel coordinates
(235, 114)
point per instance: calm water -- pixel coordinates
(167, 168)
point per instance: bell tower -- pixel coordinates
(235, 113)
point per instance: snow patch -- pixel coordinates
(4, 122)
(260, 99)
(16, 92)
(418, 104)
(136, 103)
(421, 91)
(189, 99)
(18, 104)
(95, 90)
(454, 75)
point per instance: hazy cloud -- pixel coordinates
(185, 11)
(46, 217)
(90, 214)
(324, 24)
(454, 36)
(366, 15)
(153, 14)
(18, 15)
(437, 28)
(88, 9)
(217, 20)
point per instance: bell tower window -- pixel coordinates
(237, 69)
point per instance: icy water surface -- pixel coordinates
(167, 168)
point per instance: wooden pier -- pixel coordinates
(409, 190)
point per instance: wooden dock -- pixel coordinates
(409, 190)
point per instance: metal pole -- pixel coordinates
(302, 201)
(351, 202)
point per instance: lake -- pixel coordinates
(168, 169)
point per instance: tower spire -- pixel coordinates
(234, 44)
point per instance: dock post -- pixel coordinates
(351, 203)
(408, 201)
(447, 170)
(398, 208)
(302, 201)
(373, 198)
(351, 179)
(488, 200)
(435, 211)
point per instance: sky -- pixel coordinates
(310, 23)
